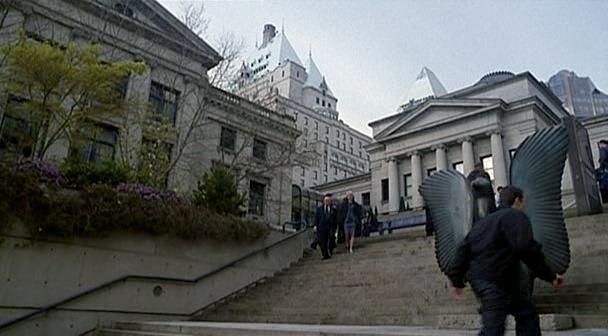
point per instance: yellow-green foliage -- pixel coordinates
(60, 88)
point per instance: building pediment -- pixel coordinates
(435, 112)
(153, 21)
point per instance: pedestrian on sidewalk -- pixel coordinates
(325, 220)
(491, 254)
(350, 218)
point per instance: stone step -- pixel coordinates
(473, 321)
(265, 329)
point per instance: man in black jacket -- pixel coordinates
(325, 223)
(491, 254)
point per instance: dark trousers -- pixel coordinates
(324, 242)
(604, 193)
(497, 302)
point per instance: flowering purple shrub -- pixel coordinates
(46, 171)
(151, 194)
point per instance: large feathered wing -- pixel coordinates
(537, 169)
(449, 198)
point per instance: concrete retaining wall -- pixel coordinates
(35, 273)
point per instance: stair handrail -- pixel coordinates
(44, 309)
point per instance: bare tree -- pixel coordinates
(194, 18)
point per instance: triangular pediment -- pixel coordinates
(151, 19)
(433, 112)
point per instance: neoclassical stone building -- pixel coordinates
(230, 130)
(484, 122)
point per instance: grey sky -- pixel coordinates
(371, 51)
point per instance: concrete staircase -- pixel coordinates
(262, 329)
(394, 280)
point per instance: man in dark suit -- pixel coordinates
(325, 222)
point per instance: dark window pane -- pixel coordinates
(256, 198)
(384, 190)
(164, 101)
(259, 149)
(228, 138)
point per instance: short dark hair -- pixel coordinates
(508, 195)
(478, 165)
(327, 195)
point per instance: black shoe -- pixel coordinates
(313, 246)
(325, 258)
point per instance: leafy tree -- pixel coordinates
(218, 191)
(58, 89)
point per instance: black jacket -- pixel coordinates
(343, 210)
(494, 247)
(323, 221)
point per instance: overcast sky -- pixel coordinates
(370, 51)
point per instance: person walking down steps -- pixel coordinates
(351, 218)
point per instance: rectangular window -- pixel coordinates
(317, 100)
(228, 138)
(17, 131)
(329, 105)
(365, 199)
(96, 144)
(326, 129)
(316, 125)
(303, 173)
(323, 103)
(360, 145)
(351, 140)
(338, 143)
(408, 191)
(306, 121)
(315, 175)
(164, 101)
(458, 166)
(488, 165)
(343, 135)
(384, 187)
(338, 133)
(325, 178)
(360, 154)
(297, 74)
(351, 150)
(256, 198)
(335, 170)
(316, 136)
(259, 149)
(326, 140)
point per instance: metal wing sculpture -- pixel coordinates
(537, 169)
(449, 197)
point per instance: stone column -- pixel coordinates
(417, 201)
(468, 157)
(393, 184)
(498, 159)
(441, 157)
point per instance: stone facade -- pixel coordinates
(178, 61)
(484, 122)
(274, 76)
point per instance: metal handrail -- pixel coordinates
(54, 305)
